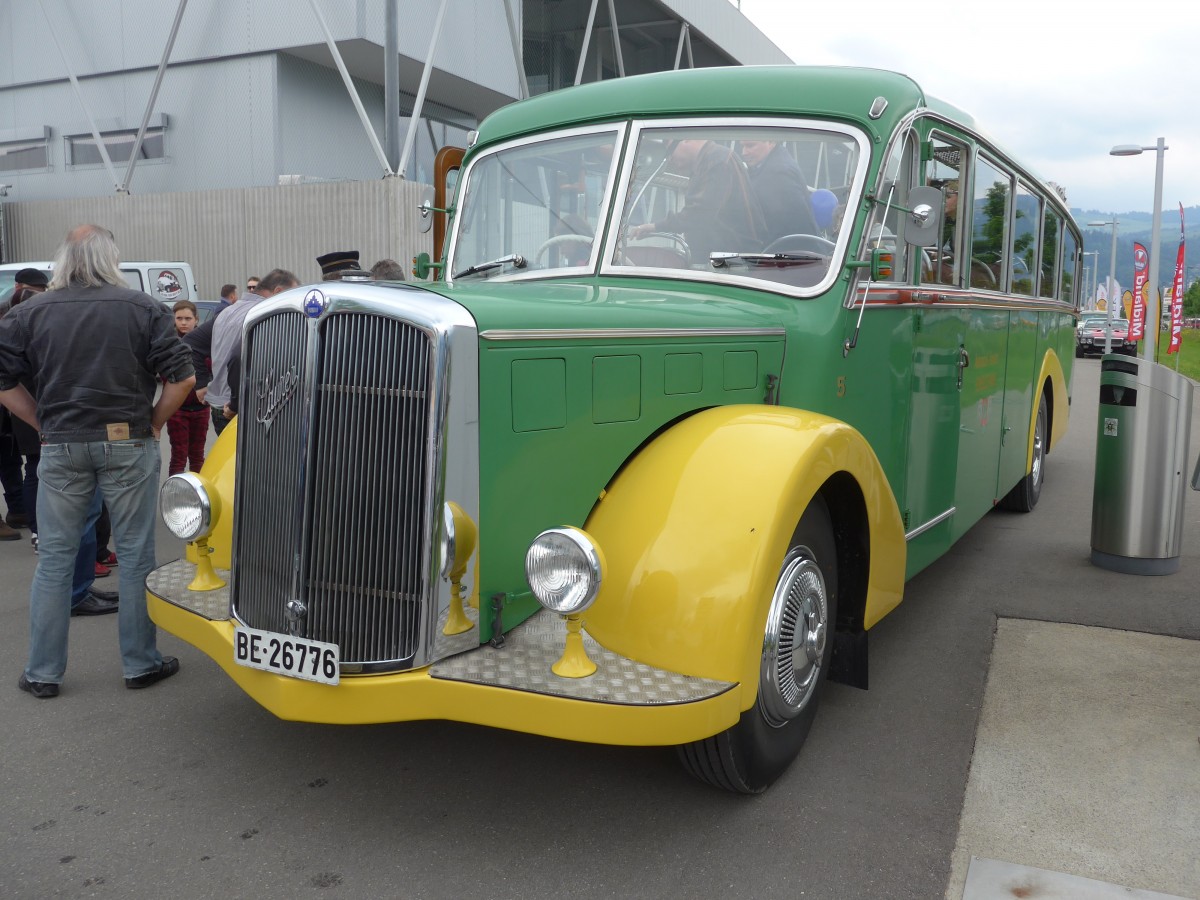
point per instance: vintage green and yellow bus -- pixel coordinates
(713, 362)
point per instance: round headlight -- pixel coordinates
(186, 506)
(564, 569)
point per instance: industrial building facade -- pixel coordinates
(232, 97)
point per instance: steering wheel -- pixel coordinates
(799, 243)
(679, 247)
(977, 263)
(557, 241)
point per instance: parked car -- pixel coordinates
(165, 281)
(1089, 336)
(206, 309)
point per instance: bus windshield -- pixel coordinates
(535, 207)
(749, 200)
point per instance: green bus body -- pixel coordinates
(559, 416)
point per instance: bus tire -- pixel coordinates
(796, 651)
(1024, 497)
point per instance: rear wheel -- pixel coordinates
(1024, 497)
(796, 649)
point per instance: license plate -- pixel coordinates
(285, 654)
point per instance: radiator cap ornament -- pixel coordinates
(315, 303)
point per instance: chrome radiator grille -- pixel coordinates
(333, 463)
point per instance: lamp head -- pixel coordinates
(1125, 150)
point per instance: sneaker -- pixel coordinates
(8, 533)
(170, 665)
(17, 520)
(33, 540)
(106, 558)
(43, 690)
(102, 571)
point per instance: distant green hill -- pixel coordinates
(1137, 227)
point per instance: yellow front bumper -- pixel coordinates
(449, 691)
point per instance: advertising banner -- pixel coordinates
(1177, 293)
(1141, 269)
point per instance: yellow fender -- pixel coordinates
(1052, 370)
(694, 530)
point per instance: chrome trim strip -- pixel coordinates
(927, 297)
(936, 520)
(556, 334)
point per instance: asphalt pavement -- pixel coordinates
(190, 790)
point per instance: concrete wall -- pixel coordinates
(229, 234)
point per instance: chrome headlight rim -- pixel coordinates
(203, 508)
(582, 551)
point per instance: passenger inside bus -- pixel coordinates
(720, 211)
(780, 189)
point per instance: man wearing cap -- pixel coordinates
(28, 282)
(334, 265)
(227, 340)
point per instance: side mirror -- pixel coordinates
(427, 210)
(923, 218)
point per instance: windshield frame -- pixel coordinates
(618, 130)
(730, 276)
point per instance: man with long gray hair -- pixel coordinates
(95, 350)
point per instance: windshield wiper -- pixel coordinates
(516, 259)
(721, 258)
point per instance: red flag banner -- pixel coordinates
(1177, 293)
(1137, 318)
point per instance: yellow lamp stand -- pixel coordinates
(206, 576)
(574, 662)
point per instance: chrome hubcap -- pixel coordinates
(794, 642)
(1039, 447)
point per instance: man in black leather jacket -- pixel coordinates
(95, 349)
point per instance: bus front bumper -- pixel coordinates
(510, 687)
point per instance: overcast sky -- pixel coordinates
(1056, 83)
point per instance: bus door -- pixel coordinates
(933, 432)
(1028, 332)
(985, 347)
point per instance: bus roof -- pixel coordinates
(823, 91)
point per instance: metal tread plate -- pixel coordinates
(170, 583)
(530, 649)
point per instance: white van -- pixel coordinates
(165, 281)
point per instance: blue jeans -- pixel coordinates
(85, 559)
(126, 473)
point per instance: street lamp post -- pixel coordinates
(1112, 281)
(1150, 350)
(1091, 287)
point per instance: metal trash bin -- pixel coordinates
(1141, 461)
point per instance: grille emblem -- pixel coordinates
(273, 394)
(315, 303)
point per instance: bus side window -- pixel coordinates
(1025, 241)
(989, 237)
(1051, 230)
(944, 170)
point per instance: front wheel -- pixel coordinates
(796, 649)
(1024, 497)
